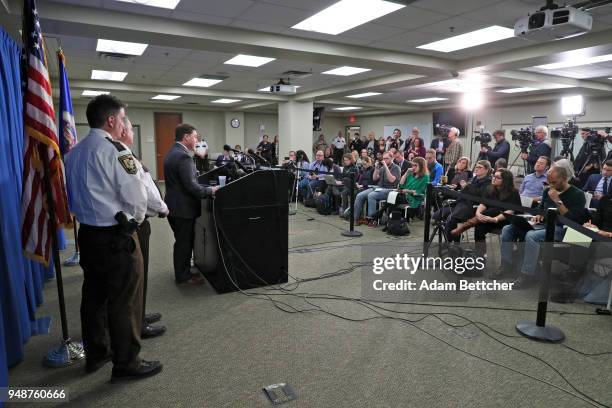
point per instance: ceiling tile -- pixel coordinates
(454, 7)
(225, 8)
(410, 18)
(266, 13)
(312, 5)
(200, 18)
(373, 32)
(459, 25)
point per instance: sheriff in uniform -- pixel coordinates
(104, 187)
(155, 207)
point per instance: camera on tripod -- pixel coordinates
(595, 143)
(566, 134)
(524, 137)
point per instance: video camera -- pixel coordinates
(596, 144)
(524, 137)
(443, 129)
(483, 137)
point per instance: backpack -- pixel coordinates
(397, 224)
(323, 203)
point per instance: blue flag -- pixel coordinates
(67, 130)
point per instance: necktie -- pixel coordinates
(604, 190)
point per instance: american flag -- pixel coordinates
(40, 140)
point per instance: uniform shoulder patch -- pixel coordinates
(129, 163)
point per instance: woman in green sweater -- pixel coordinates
(414, 182)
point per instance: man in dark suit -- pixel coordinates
(183, 196)
(599, 184)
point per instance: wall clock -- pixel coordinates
(235, 123)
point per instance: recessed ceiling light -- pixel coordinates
(347, 14)
(108, 75)
(165, 97)
(267, 88)
(364, 95)
(203, 82)
(576, 62)
(121, 47)
(226, 100)
(88, 92)
(517, 90)
(168, 4)
(471, 39)
(346, 71)
(424, 100)
(346, 108)
(248, 60)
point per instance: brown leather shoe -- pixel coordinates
(465, 226)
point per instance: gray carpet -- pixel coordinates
(220, 350)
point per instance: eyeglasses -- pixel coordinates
(497, 177)
(478, 166)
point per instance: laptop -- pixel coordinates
(521, 221)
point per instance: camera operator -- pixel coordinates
(454, 151)
(499, 151)
(540, 146)
(581, 167)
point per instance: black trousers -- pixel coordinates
(184, 235)
(111, 303)
(144, 234)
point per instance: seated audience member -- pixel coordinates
(226, 157)
(313, 180)
(418, 148)
(386, 176)
(435, 169)
(328, 153)
(501, 163)
(489, 218)
(413, 183)
(599, 184)
(460, 172)
(363, 155)
(344, 181)
(569, 201)
(398, 158)
(561, 161)
(364, 178)
(410, 158)
(533, 184)
(463, 209)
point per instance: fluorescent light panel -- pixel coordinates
(576, 62)
(121, 47)
(202, 82)
(225, 100)
(364, 95)
(347, 14)
(424, 100)
(572, 105)
(248, 60)
(165, 97)
(471, 39)
(88, 92)
(346, 71)
(517, 90)
(346, 108)
(167, 4)
(108, 75)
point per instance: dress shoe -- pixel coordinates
(146, 369)
(472, 222)
(93, 366)
(524, 281)
(152, 318)
(149, 331)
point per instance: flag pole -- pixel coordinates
(68, 352)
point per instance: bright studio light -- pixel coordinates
(471, 101)
(573, 105)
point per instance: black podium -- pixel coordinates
(241, 237)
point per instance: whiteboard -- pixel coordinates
(406, 129)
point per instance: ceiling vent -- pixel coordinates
(293, 74)
(115, 56)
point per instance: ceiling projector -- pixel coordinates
(283, 89)
(553, 23)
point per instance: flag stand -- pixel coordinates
(68, 352)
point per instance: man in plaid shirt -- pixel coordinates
(454, 150)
